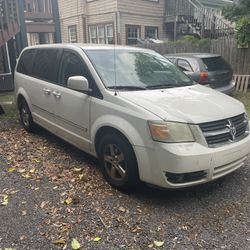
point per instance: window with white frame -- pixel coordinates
(35, 39)
(133, 34)
(101, 33)
(109, 34)
(92, 34)
(151, 32)
(72, 34)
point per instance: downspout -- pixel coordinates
(56, 17)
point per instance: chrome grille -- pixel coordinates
(225, 131)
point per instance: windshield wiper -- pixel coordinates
(127, 87)
(167, 86)
(161, 86)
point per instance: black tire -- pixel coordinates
(122, 158)
(26, 117)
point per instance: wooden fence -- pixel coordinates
(227, 47)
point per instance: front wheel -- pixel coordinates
(118, 162)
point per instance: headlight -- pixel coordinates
(170, 132)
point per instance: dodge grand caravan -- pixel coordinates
(133, 109)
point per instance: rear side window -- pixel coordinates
(184, 65)
(45, 65)
(172, 60)
(25, 63)
(215, 64)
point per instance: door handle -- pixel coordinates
(57, 94)
(46, 91)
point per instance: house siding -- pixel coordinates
(141, 13)
(120, 13)
(72, 13)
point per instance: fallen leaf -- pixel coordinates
(68, 201)
(11, 170)
(21, 170)
(77, 169)
(27, 176)
(59, 242)
(122, 209)
(96, 239)
(23, 237)
(158, 243)
(5, 200)
(75, 244)
(43, 204)
(32, 171)
(83, 177)
(14, 191)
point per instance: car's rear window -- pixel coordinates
(215, 63)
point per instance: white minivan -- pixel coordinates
(133, 109)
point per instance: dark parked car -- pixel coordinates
(207, 69)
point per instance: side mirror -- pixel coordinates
(79, 83)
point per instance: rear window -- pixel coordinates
(215, 63)
(26, 62)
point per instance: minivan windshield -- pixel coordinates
(136, 70)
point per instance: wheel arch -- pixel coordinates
(105, 130)
(113, 124)
(22, 95)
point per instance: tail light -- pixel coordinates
(203, 79)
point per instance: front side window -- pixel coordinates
(45, 65)
(102, 34)
(72, 34)
(151, 32)
(130, 69)
(133, 34)
(72, 65)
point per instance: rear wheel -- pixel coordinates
(118, 161)
(26, 117)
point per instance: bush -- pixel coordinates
(243, 31)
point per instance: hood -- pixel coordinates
(192, 104)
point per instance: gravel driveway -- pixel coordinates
(52, 193)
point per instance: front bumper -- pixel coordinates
(155, 164)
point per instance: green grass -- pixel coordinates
(10, 117)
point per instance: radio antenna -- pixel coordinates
(115, 69)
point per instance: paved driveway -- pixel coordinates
(55, 193)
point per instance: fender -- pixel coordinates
(132, 135)
(120, 124)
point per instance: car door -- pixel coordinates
(41, 84)
(71, 107)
